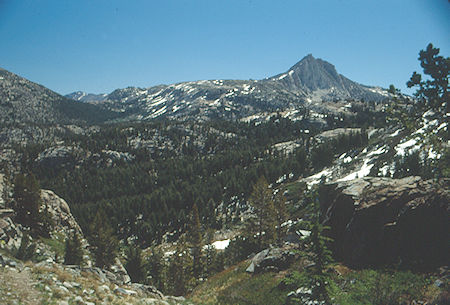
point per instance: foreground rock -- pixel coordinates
(382, 220)
(275, 259)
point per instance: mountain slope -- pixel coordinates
(310, 80)
(320, 80)
(22, 101)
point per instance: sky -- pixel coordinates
(97, 46)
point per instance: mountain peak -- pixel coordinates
(308, 57)
(310, 74)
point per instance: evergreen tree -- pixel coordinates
(319, 253)
(135, 264)
(155, 264)
(104, 243)
(281, 213)
(196, 243)
(27, 197)
(433, 91)
(73, 254)
(210, 253)
(27, 200)
(180, 270)
(263, 225)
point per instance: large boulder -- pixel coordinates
(274, 259)
(382, 220)
(60, 213)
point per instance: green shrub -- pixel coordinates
(381, 287)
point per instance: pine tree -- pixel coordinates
(433, 91)
(155, 264)
(27, 200)
(281, 213)
(27, 196)
(318, 253)
(180, 270)
(104, 243)
(196, 243)
(135, 264)
(73, 251)
(265, 215)
(210, 253)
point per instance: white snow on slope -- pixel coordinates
(282, 76)
(379, 151)
(364, 171)
(395, 133)
(406, 147)
(219, 245)
(315, 179)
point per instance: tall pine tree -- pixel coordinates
(134, 264)
(281, 214)
(264, 222)
(104, 243)
(196, 243)
(73, 251)
(318, 253)
(28, 205)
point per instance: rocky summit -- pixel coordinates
(318, 80)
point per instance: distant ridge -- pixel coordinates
(22, 101)
(305, 84)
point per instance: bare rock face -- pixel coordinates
(272, 259)
(60, 213)
(389, 221)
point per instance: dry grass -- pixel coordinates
(18, 286)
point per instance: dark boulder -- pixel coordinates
(379, 221)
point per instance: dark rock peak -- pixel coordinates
(311, 63)
(311, 74)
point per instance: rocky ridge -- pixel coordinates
(23, 102)
(306, 84)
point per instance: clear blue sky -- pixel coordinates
(98, 46)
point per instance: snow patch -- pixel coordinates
(364, 171)
(433, 154)
(379, 151)
(395, 133)
(221, 244)
(406, 146)
(159, 112)
(282, 76)
(347, 159)
(386, 169)
(315, 179)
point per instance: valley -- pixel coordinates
(301, 188)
